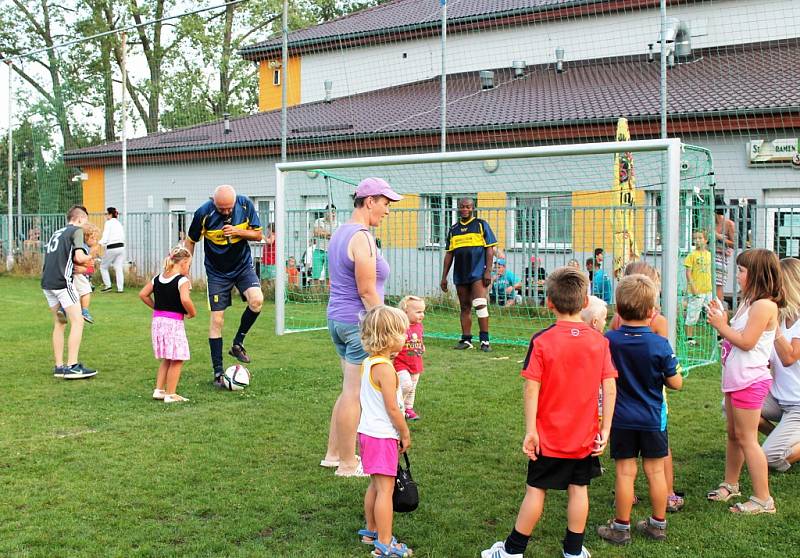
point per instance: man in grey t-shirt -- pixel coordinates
(65, 249)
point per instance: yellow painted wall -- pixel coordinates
(94, 189)
(400, 228)
(592, 220)
(496, 219)
(269, 95)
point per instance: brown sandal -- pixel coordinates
(730, 491)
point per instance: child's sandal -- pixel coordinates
(754, 506)
(394, 548)
(367, 536)
(730, 491)
(675, 502)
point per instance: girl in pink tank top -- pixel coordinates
(746, 349)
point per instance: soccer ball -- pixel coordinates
(236, 378)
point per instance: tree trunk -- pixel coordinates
(225, 63)
(154, 54)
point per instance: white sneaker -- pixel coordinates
(584, 554)
(174, 398)
(159, 394)
(498, 550)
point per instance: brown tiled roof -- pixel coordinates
(399, 16)
(741, 83)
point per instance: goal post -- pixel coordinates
(583, 181)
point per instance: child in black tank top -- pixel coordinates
(168, 295)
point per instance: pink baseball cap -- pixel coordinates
(373, 186)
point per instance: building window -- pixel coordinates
(787, 232)
(435, 221)
(276, 76)
(654, 222)
(544, 221)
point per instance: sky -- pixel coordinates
(4, 98)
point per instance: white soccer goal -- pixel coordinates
(547, 205)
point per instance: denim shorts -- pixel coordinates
(347, 340)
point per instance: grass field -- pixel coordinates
(96, 468)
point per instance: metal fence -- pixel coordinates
(550, 235)
(149, 237)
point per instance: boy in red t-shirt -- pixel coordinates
(566, 365)
(408, 362)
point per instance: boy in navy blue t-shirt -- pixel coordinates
(645, 362)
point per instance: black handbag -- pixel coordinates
(406, 496)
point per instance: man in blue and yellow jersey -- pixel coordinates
(227, 222)
(470, 244)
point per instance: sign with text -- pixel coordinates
(776, 152)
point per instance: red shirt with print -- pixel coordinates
(410, 358)
(570, 360)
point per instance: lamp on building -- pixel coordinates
(328, 90)
(519, 68)
(226, 122)
(559, 59)
(491, 165)
(650, 54)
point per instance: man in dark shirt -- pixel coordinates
(227, 222)
(470, 251)
(64, 249)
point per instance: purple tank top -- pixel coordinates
(344, 304)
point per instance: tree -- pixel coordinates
(41, 25)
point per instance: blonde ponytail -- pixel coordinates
(178, 253)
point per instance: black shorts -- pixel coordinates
(628, 444)
(219, 288)
(559, 472)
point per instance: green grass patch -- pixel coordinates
(96, 468)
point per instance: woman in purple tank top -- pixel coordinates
(357, 274)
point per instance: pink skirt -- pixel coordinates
(379, 456)
(169, 339)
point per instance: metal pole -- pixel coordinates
(280, 253)
(663, 84)
(10, 246)
(19, 200)
(284, 63)
(280, 202)
(124, 68)
(443, 101)
(443, 131)
(669, 255)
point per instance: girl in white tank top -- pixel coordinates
(382, 431)
(746, 349)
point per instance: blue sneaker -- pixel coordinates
(78, 372)
(61, 315)
(87, 317)
(58, 371)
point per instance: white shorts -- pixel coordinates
(82, 284)
(64, 297)
(694, 306)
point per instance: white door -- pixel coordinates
(176, 219)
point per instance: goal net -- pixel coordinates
(546, 206)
